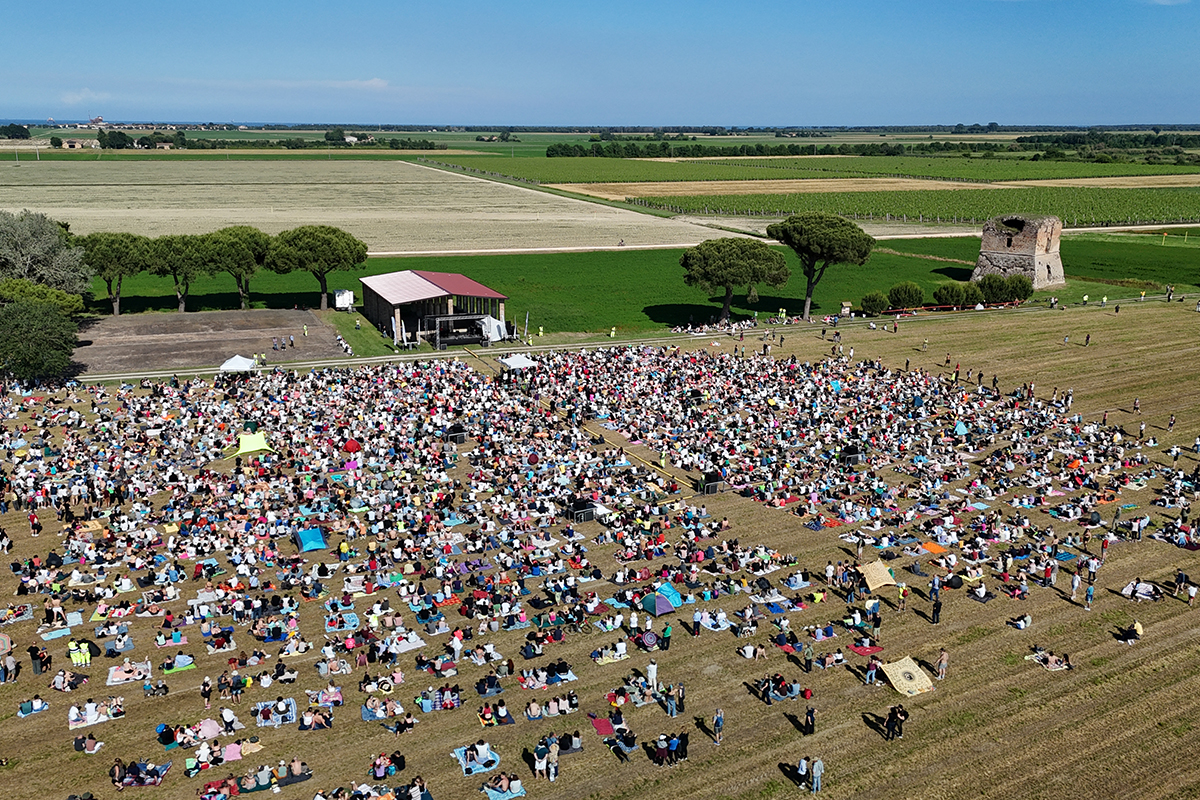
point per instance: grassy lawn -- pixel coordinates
(641, 291)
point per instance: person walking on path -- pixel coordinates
(818, 771)
(942, 662)
(718, 726)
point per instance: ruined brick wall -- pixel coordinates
(1022, 245)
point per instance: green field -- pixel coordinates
(612, 170)
(959, 168)
(1074, 205)
(643, 290)
(622, 170)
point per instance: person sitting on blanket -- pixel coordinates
(533, 710)
(980, 590)
(477, 753)
(831, 659)
(500, 782)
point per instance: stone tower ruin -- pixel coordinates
(1022, 245)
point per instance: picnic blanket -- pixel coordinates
(490, 763)
(273, 719)
(1042, 662)
(496, 794)
(603, 726)
(864, 651)
(150, 776)
(141, 671)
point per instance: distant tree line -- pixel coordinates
(621, 148)
(14, 131)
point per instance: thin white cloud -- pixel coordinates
(84, 95)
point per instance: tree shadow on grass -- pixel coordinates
(209, 301)
(955, 273)
(675, 315)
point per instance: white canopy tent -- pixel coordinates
(238, 364)
(493, 329)
(518, 361)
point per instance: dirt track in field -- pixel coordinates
(1123, 182)
(619, 191)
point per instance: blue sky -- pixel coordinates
(653, 62)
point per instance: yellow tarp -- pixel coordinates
(877, 575)
(251, 443)
(907, 677)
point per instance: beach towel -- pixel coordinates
(487, 765)
(141, 671)
(496, 794)
(603, 726)
(864, 651)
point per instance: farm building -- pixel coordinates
(442, 307)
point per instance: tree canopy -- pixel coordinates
(819, 240)
(182, 258)
(114, 257)
(36, 340)
(319, 249)
(38, 249)
(240, 251)
(14, 290)
(729, 263)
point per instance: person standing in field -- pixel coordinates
(718, 726)
(817, 771)
(942, 662)
(1088, 596)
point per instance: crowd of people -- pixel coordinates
(149, 497)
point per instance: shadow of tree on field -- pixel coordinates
(680, 314)
(208, 301)
(955, 273)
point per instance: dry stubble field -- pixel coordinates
(393, 206)
(998, 727)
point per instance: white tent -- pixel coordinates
(238, 364)
(493, 329)
(518, 361)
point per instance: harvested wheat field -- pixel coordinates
(998, 726)
(619, 191)
(393, 206)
